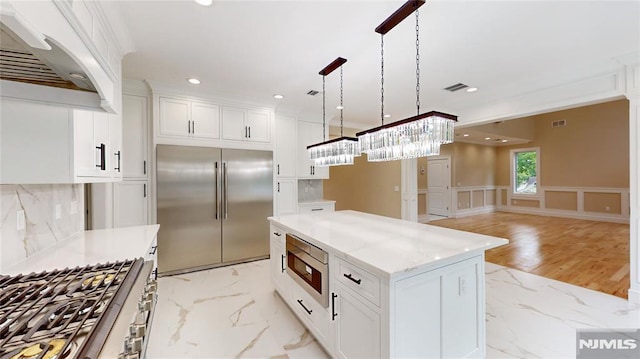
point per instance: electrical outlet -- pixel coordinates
(58, 211)
(396, 188)
(74, 207)
(20, 220)
(607, 208)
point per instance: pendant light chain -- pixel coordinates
(417, 63)
(324, 137)
(382, 78)
(341, 107)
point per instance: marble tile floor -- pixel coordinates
(233, 312)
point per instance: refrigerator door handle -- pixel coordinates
(217, 205)
(225, 183)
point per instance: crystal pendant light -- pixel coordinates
(413, 137)
(339, 151)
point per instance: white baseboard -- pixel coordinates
(634, 296)
(473, 211)
(589, 216)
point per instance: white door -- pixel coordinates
(438, 184)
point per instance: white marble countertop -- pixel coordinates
(315, 202)
(90, 247)
(386, 246)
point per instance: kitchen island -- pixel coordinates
(394, 288)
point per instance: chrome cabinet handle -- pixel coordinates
(350, 277)
(282, 256)
(249, 131)
(193, 127)
(278, 187)
(316, 209)
(103, 159)
(144, 167)
(333, 306)
(144, 190)
(278, 172)
(305, 308)
(117, 154)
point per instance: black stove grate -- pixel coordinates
(62, 313)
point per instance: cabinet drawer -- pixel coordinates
(362, 282)
(305, 208)
(277, 235)
(310, 311)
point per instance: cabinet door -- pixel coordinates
(278, 261)
(285, 147)
(309, 133)
(84, 148)
(175, 117)
(286, 196)
(233, 123)
(134, 136)
(206, 120)
(259, 126)
(115, 144)
(100, 137)
(357, 326)
(130, 205)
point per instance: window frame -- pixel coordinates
(512, 172)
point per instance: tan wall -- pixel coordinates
(598, 202)
(592, 150)
(473, 165)
(422, 203)
(561, 200)
(503, 200)
(366, 187)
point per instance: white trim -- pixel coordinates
(409, 189)
(461, 213)
(580, 213)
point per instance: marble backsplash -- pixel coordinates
(309, 190)
(41, 228)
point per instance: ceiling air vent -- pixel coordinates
(560, 123)
(456, 87)
(313, 92)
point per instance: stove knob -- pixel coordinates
(137, 330)
(151, 287)
(144, 305)
(129, 356)
(148, 296)
(135, 345)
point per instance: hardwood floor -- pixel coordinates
(590, 254)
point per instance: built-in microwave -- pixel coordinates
(308, 266)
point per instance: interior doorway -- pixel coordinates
(438, 186)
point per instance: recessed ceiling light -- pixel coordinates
(472, 89)
(204, 2)
(487, 138)
(466, 135)
(387, 116)
(278, 96)
(504, 141)
(194, 81)
(340, 107)
(78, 76)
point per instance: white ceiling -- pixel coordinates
(254, 49)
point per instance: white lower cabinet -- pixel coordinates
(278, 262)
(313, 315)
(131, 203)
(286, 196)
(356, 326)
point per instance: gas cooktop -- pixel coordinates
(63, 313)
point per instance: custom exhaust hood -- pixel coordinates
(50, 63)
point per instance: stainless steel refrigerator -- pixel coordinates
(212, 206)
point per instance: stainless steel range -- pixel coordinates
(99, 311)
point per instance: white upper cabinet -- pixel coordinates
(241, 124)
(184, 118)
(205, 120)
(309, 133)
(51, 144)
(134, 159)
(285, 156)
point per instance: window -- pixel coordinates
(525, 170)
